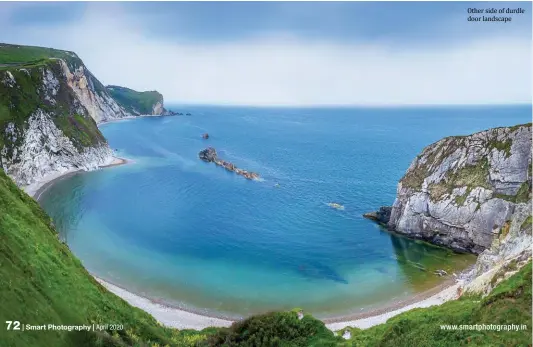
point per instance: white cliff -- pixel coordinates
(50, 127)
(461, 191)
(472, 194)
(100, 105)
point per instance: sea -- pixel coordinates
(193, 235)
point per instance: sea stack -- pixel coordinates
(210, 155)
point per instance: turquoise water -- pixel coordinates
(191, 234)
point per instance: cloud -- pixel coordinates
(286, 70)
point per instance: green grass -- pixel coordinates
(509, 303)
(82, 130)
(15, 54)
(133, 101)
(275, 329)
(468, 176)
(526, 225)
(503, 146)
(523, 194)
(42, 283)
(19, 102)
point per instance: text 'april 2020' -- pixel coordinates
(501, 15)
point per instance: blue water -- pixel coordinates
(191, 234)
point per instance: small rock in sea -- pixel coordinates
(205, 136)
(209, 154)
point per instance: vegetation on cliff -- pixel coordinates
(135, 102)
(509, 303)
(468, 175)
(35, 86)
(42, 282)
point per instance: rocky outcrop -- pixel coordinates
(51, 107)
(210, 155)
(45, 149)
(463, 192)
(381, 216)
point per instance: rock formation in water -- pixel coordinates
(462, 191)
(210, 155)
(382, 216)
(471, 194)
(205, 136)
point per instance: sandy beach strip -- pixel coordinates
(436, 296)
(166, 315)
(182, 319)
(36, 189)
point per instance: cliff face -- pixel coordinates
(91, 93)
(48, 113)
(139, 103)
(462, 192)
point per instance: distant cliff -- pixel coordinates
(49, 106)
(462, 191)
(139, 103)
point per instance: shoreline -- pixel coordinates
(180, 318)
(36, 189)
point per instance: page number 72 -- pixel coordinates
(15, 324)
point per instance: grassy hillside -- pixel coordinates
(134, 101)
(509, 303)
(15, 54)
(43, 283)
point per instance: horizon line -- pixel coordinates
(375, 106)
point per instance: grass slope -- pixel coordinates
(15, 54)
(134, 101)
(509, 303)
(43, 283)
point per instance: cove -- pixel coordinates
(189, 234)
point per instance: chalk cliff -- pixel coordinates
(472, 194)
(462, 191)
(49, 107)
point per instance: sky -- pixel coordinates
(290, 53)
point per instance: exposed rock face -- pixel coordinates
(49, 126)
(45, 149)
(381, 216)
(461, 191)
(210, 155)
(158, 108)
(92, 94)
